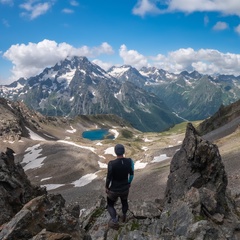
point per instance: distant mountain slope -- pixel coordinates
(15, 117)
(192, 96)
(18, 121)
(227, 118)
(76, 86)
(150, 99)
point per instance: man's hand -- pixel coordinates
(107, 190)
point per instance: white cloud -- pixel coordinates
(9, 2)
(227, 7)
(5, 23)
(145, 6)
(132, 57)
(74, 3)
(206, 20)
(31, 59)
(205, 61)
(103, 65)
(67, 10)
(237, 29)
(219, 26)
(34, 10)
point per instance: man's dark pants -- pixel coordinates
(112, 197)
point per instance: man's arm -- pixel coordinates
(109, 176)
(131, 173)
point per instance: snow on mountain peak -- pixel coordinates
(118, 71)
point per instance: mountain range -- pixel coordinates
(150, 99)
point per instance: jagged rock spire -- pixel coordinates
(198, 165)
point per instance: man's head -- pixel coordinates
(119, 149)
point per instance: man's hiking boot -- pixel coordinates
(123, 218)
(113, 225)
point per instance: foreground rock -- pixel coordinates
(28, 212)
(197, 204)
(15, 188)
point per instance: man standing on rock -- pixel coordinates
(119, 177)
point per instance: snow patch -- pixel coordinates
(102, 165)
(76, 145)
(45, 179)
(147, 140)
(160, 158)
(52, 186)
(35, 136)
(31, 158)
(110, 150)
(144, 148)
(84, 180)
(139, 165)
(115, 132)
(73, 130)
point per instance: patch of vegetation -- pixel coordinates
(198, 218)
(135, 226)
(97, 213)
(127, 134)
(179, 128)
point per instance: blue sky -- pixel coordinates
(174, 35)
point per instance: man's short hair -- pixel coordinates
(119, 149)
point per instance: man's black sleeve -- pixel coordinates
(109, 175)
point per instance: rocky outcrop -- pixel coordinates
(28, 212)
(42, 217)
(15, 188)
(14, 116)
(197, 204)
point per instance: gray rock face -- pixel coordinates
(42, 213)
(28, 211)
(15, 189)
(197, 167)
(197, 205)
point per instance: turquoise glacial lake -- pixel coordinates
(97, 134)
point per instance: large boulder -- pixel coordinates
(43, 213)
(197, 203)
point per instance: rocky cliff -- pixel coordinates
(196, 205)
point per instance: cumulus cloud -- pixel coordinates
(67, 10)
(103, 65)
(205, 61)
(9, 2)
(5, 23)
(132, 57)
(29, 60)
(33, 9)
(219, 26)
(206, 20)
(227, 7)
(145, 6)
(237, 29)
(74, 3)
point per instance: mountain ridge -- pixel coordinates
(77, 87)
